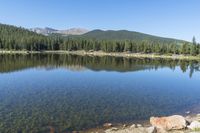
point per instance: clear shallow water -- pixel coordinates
(68, 92)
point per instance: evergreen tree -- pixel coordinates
(14, 38)
(194, 40)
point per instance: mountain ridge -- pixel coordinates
(19, 38)
(48, 31)
(100, 34)
(125, 35)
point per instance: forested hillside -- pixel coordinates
(126, 35)
(15, 38)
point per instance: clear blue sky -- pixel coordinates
(168, 18)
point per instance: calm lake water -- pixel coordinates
(43, 92)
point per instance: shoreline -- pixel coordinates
(146, 126)
(113, 54)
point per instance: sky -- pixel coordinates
(167, 18)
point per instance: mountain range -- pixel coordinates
(19, 38)
(103, 34)
(67, 32)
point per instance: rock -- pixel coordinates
(128, 130)
(151, 130)
(138, 130)
(179, 132)
(139, 125)
(124, 125)
(133, 126)
(107, 125)
(112, 129)
(161, 130)
(174, 122)
(188, 112)
(195, 125)
(198, 117)
(189, 119)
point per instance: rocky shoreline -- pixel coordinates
(169, 124)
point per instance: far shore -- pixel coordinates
(114, 54)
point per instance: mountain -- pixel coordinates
(124, 35)
(104, 35)
(18, 38)
(44, 31)
(73, 31)
(49, 31)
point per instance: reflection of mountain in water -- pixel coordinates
(71, 67)
(16, 62)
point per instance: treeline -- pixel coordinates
(131, 46)
(14, 38)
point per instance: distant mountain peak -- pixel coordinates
(73, 31)
(48, 31)
(48, 28)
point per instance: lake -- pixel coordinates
(42, 92)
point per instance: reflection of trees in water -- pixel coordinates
(16, 62)
(194, 67)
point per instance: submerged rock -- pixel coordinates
(174, 122)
